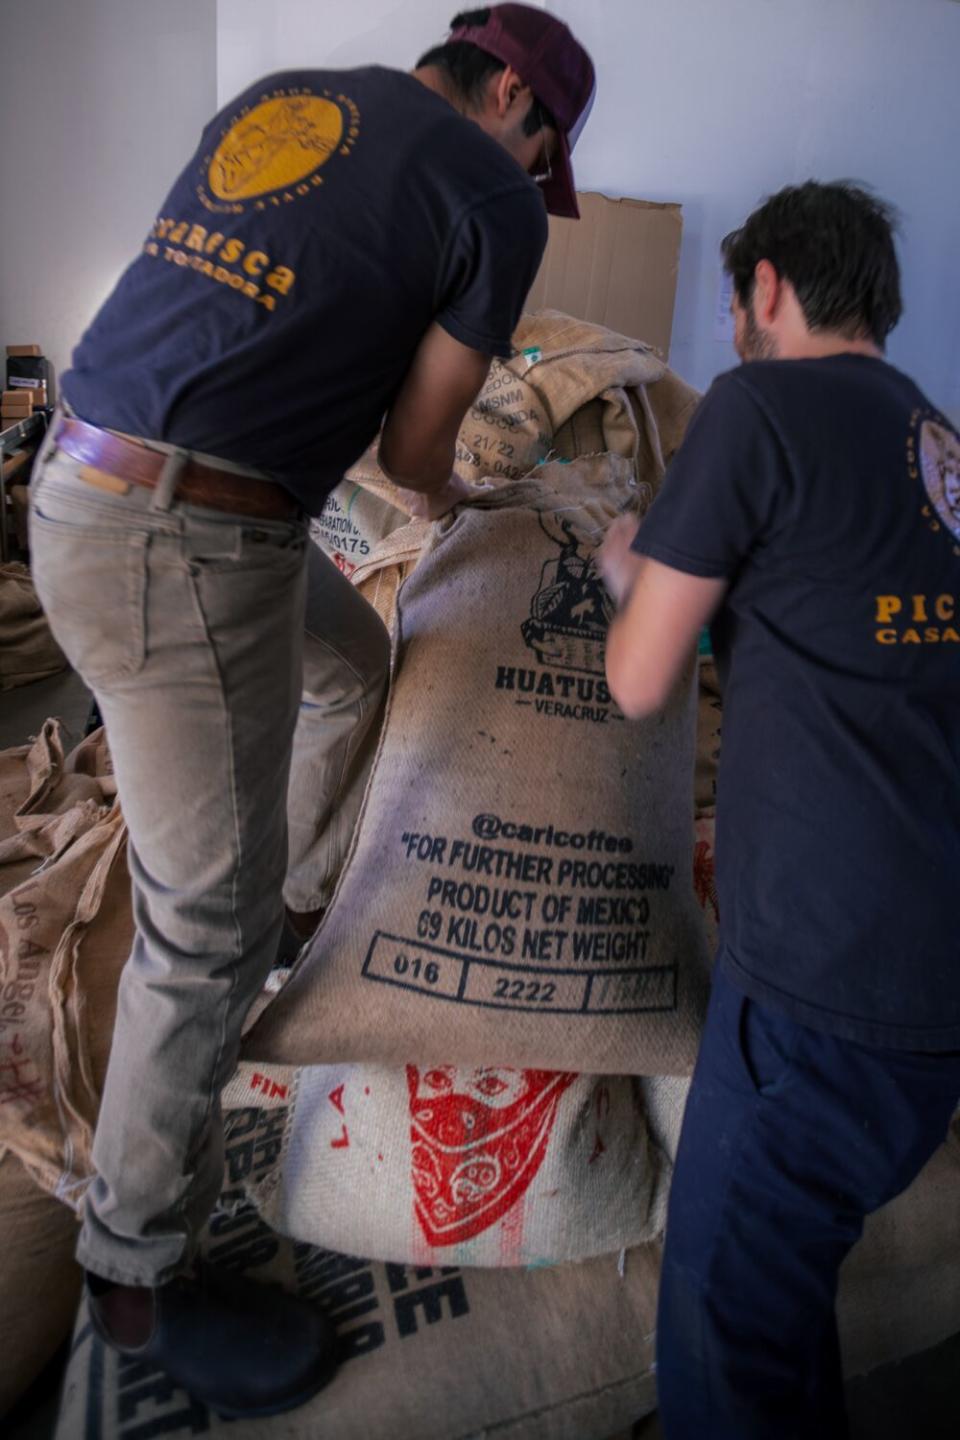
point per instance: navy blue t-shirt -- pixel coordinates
(828, 493)
(326, 219)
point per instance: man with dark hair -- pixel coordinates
(808, 513)
(343, 246)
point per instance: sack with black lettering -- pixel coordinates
(519, 890)
(473, 1165)
(352, 523)
(425, 1353)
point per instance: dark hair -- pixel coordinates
(834, 243)
(468, 68)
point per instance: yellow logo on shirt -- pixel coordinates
(269, 155)
(272, 152)
(278, 144)
(917, 619)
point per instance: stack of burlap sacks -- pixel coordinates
(507, 987)
(28, 650)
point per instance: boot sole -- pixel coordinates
(279, 1407)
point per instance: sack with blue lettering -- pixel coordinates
(519, 889)
(352, 523)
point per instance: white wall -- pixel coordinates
(710, 102)
(107, 99)
(715, 103)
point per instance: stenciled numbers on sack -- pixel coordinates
(467, 978)
(429, 925)
(530, 991)
(415, 967)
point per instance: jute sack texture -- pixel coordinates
(466, 1165)
(572, 390)
(28, 650)
(519, 890)
(352, 523)
(560, 367)
(709, 726)
(40, 1281)
(428, 1354)
(65, 933)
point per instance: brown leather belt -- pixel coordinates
(196, 484)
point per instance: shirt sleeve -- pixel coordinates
(491, 262)
(724, 489)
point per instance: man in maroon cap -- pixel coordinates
(343, 246)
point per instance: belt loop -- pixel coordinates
(166, 488)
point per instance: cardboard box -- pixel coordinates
(615, 266)
(24, 350)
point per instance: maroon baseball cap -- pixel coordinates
(558, 70)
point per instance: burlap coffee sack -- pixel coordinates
(40, 780)
(709, 728)
(65, 933)
(560, 365)
(28, 650)
(22, 769)
(40, 1281)
(520, 886)
(552, 1353)
(705, 876)
(568, 362)
(478, 1166)
(900, 1286)
(671, 403)
(352, 523)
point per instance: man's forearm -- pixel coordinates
(427, 477)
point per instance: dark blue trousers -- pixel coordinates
(790, 1138)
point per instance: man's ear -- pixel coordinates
(508, 87)
(767, 292)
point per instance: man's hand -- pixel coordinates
(430, 505)
(617, 563)
(654, 634)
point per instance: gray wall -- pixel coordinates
(107, 99)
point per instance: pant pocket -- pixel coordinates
(767, 1042)
(91, 581)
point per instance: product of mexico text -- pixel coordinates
(519, 890)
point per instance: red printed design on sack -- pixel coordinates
(704, 877)
(479, 1137)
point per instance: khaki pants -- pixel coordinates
(188, 626)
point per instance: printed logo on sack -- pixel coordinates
(566, 629)
(479, 1138)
